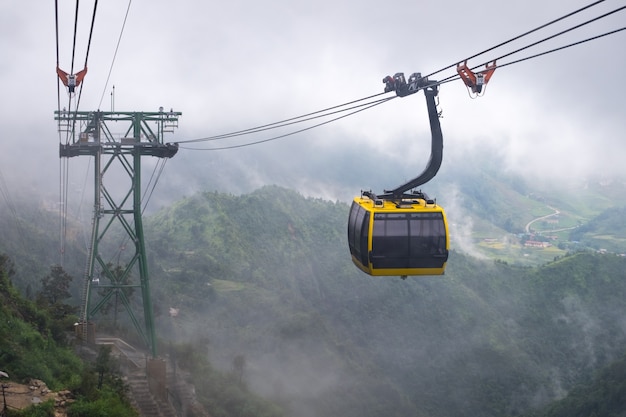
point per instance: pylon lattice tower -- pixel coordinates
(117, 211)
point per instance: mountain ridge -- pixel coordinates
(301, 308)
(267, 275)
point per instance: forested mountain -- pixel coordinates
(263, 284)
(605, 395)
(607, 231)
(266, 275)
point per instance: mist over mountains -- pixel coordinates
(275, 286)
(264, 273)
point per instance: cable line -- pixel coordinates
(281, 123)
(563, 47)
(119, 39)
(286, 122)
(454, 77)
(62, 164)
(520, 36)
(376, 103)
(56, 26)
(93, 21)
(75, 35)
(563, 32)
(69, 124)
(560, 48)
(366, 106)
(326, 112)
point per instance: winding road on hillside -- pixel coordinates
(556, 213)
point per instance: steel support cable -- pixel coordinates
(286, 122)
(119, 40)
(56, 27)
(65, 179)
(62, 163)
(563, 47)
(93, 21)
(152, 183)
(578, 26)
(376, 103)
(454, 77)
(64, 168)
(56, 24)
(517, 61)
(521, 36)
(64, 206)
(79, 210)
(440, 82)
(75, 35)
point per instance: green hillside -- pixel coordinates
(494, 214)
(266, 276)
(27, 338)
(606, 232)
(35, 344)
(605, 395)
(267, 293)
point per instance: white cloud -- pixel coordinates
(234, 65)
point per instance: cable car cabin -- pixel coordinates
(387, 238)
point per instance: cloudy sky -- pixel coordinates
(239, 64)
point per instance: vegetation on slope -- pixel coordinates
(605, 396)
(606, 231)
(267, 276)
(28, 348)
(34, 346)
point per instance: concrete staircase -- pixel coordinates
(171, 395)
(143, 400)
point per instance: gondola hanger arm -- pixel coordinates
(404, 88)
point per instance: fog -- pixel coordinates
(229, 66)
(234, 66)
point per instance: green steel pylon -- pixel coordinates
(117, 263)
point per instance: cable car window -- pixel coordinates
(409, 240)
(358, 227)
(390, 240)
(352, 226)
(428, 236)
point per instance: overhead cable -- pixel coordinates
(376, 103)
(286, 122)
(520, 36)
(75, 35)
(93, 21)
(307, 117)
(119, 40)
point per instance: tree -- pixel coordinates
(103, 363)
(7, 270)
(55, 286)
(6, 266)
(54, 289)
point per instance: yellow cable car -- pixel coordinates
(400, 232)
(387, 238)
